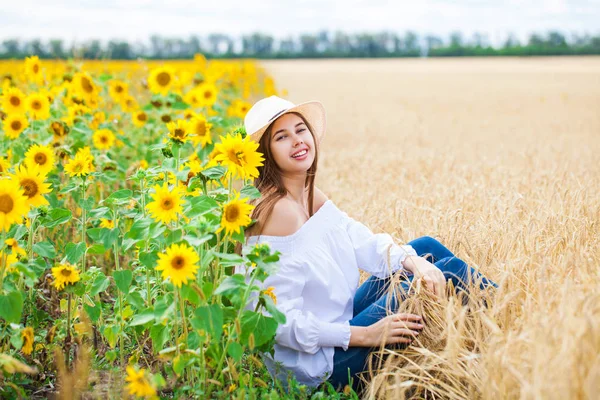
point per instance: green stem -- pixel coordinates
(2, 259)
(83, 222)
(118, 268)
(183, 321)
(69, 318)
(239, 314)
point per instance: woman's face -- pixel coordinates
(289, 137)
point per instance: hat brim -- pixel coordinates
(312, 111)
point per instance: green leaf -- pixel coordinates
(214, 172)
(56, 217)
(88, 203)
(139, 229)
(142, 318)
(277, 315)
(262, 327)
(250, 191)
(200, 205)
(11, 307)
(180, 106)
(149, 259)
(235, 350)
(228, 260)
(93, 312)
(210, 319)
(136, 300)
(123, 280)
(159, 335)
(74, 251)
(96, 248)
(100, 284)
(231, 285)
(45, 249)
(110, 333)
(121, 196)
(190, 294)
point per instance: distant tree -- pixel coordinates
(308, 44)
(56, 48)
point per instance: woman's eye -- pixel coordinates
(282, 136)
(302, 130)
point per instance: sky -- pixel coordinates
(137, 20)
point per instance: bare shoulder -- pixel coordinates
(319, 199)
(284, 219)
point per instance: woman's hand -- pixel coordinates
(395, 328)
(421, 268)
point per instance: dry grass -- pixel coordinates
(499, 160)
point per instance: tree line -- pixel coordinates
(323, 44)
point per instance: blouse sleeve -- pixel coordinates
(302, 331)
(371, 250)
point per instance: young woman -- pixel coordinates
(331, 324)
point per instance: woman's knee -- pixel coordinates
(427, 245)
(453, 267)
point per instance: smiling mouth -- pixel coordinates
(300, 153)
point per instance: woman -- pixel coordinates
(331, 324)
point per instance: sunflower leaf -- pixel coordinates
(45, 249)
(250, 191)
(123, 280)
(199, 206)
(56, 217)
(216, 172)
(11, 307)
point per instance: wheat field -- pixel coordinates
(497, 159)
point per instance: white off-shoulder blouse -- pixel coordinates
(315, 284)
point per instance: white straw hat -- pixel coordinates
(265, 111)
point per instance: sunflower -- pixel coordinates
(64, 274)
(59, 129)
(238, 108)
(98, 118)
(27, 335)
(43, 156)
(161, 80)
(200, 129)
(16, 253)
(33, 69)
(178, 130)
(270, 292)
(107, 223)
(178, 262)
(129, 103)
(32, 182)
(117, 89)
(13, 101)
(207, 94)
(13, 204)
(239, 155)
(139, 118)
(236, 213)
(14, 125)
(139, 384)
(166, 203)
(80, 165)
(103, 139)
(38, 106)
(4, 166)
(84, 87)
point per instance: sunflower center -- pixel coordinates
(119, 89)
(57, 128)
(163, 78)
(165, 118)
(15, 101)
(179, 133)
(86, 85)
(36, 68)
(167, 204)
(65, 272)
(36, 105)
(103, 139)
(201, 128)
(232, 213)
(40, 158)
(142, 117)
(178, 262)
(207, 94)
(78, 167)
(30, 187)
(16, 125)
(6, 203)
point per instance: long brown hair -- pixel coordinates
(270, 184)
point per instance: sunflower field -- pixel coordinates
(124, 190)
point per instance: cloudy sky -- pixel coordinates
(136, 20)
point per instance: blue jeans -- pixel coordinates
(370, 305)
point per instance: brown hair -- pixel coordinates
(270, 185)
